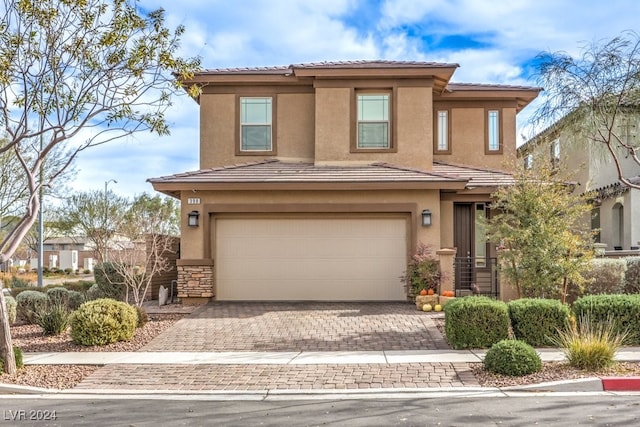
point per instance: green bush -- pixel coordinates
(58, 295)
(512, 357)
(54, 320)
(143, 318)
(109, 281)
(12, 308)
(536, 321)
(17, 291)
(17, 356)
(103, 321)
(93, 293)
(75, 300)
(30, 303)
(632, 275)
(476, 322)
(605, 276)
(17, 282)
(590, 344)
(624, 310)
(423, 271)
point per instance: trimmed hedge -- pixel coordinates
(103, 321)
(512, 357)
(536, 321)
(632, 275)
(476, 322)
(623, 309)
(605, 276)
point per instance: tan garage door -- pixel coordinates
(333, 259)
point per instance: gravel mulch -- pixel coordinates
(30, 339)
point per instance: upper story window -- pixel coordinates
(528, 161)
(256, 130)
(555, 152)
(374, 124)
(442, 132)
(494, 136)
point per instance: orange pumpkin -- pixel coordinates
(430, 292)
(447, 294)
(423, 292)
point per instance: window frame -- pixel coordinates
(436, 131)
(554, 152)
(528, 161)
(240, 124)
(390, 92)
(487, 133)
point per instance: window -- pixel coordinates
(494, 137)
(373, 130)
(528, 161)
(595, 224)
(480, 237)
(442, 132)
(555, 152)
(255, 124)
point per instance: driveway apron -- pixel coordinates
(301, 326)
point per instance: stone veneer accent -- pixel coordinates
(195, 280)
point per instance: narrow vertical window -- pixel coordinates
(442, 124)
(480, 237)
(555, 152)
(255, 124)
(493, 131)
(373, 121)
(528, 161)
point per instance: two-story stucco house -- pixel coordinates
(616, 207)
(318, 181)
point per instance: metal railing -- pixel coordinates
(476, 276)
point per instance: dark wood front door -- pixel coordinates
(463, 240)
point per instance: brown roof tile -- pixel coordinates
(477, 177)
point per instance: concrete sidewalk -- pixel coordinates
(627, 354)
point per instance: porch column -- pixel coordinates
(447, 272)
(508, 292)
(195, 280)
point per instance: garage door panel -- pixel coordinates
(310, 259)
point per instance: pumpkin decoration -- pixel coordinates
(448, 294)
(423, 292)
(430, 292)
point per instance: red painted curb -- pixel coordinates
(621, 383)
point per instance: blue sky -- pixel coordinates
(493, 41)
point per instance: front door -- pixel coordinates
(474, 269)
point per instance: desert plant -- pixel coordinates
(423, 271)
(54, 319)
(17, 355)
(591, 345)
(632, 276)
(536, 320)
(103, 321)
(143, 318)
(605, 276)
(12, 309)
(30, 303)
(512, 357)
(476, 322)
(58, 295)
(75, 300)
(110, 282)
(623, 309)
(93, 293)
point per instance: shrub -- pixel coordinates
(423, 271)
(536, 321)
(512, 357)
(93, 293)
(624, 310)
(605, 276)
(18, 282)
(75, 300)
(591, 345)
(15, 292)
(54, 319)
(11, 306)
(476, 322)
(632, 275)
(110, 282)
(17, 356)
(58, 295)
(68, 271)
(143, 318)
(103, 321)
(30, 303)
(80, 285)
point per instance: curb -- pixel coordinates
(621, 383)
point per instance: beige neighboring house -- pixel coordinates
(318, 181)
(616, 211)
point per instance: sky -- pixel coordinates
(492, 41)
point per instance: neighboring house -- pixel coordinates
(616, 206)
(318, 181)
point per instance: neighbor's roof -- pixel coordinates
(275, 174)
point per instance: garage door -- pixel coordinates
(333, 259)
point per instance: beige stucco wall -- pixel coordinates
(333, 125)
(217, 130)
(296, 122)
(193, 238)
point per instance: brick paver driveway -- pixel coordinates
(301, 326)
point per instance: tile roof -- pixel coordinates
(275, 171)
(452, 87)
